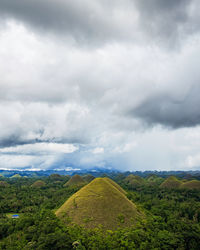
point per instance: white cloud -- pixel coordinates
(41, 148)
(193, 161)
(77, 94)
(128, 147)
(98, 150)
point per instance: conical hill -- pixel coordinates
(38, 184)
(154, 180)
(194, 184)
(101, 202)
(134, 181)
(55, 177)
(171, 182)
(16, 176)
(88, 178)
(75, 180)
(115, 185)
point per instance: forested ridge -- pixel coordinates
(172, 216)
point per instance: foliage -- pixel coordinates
(172, 218)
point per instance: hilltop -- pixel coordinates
(194, 184)
(88, 178)
(154, 180)
(55, 177)
(75, 180)
(171, 182)
(16, 176)
(134, 180)
(38, 184)
(101, 202)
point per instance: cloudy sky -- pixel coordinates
(100, 83)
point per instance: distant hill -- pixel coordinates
(171, 182)
(101, 202)
(153, 180)
(134, 180)
(88, 178)
(194, 184)
(55, 177)
(16, 176)
(75, 180)
(38, 184)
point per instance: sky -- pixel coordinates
(97, 83)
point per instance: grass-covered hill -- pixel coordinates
(153, 180)
(75, 180)
(171, 182)
(88, 178)
(194, 184)
(134, 181)
(55, 177)
(16, 176)
(38, 184)
(101, 202)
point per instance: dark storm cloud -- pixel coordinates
(11, 141)
(168, 111)
(166, 21)
(16, 140)
(103, 21)
(84, 20)
(173, 10)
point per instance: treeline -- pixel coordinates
(97, 172)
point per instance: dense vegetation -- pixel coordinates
(172, 217)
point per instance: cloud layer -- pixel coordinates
(107, 80)
(97, 22)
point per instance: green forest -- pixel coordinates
(170, 208)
